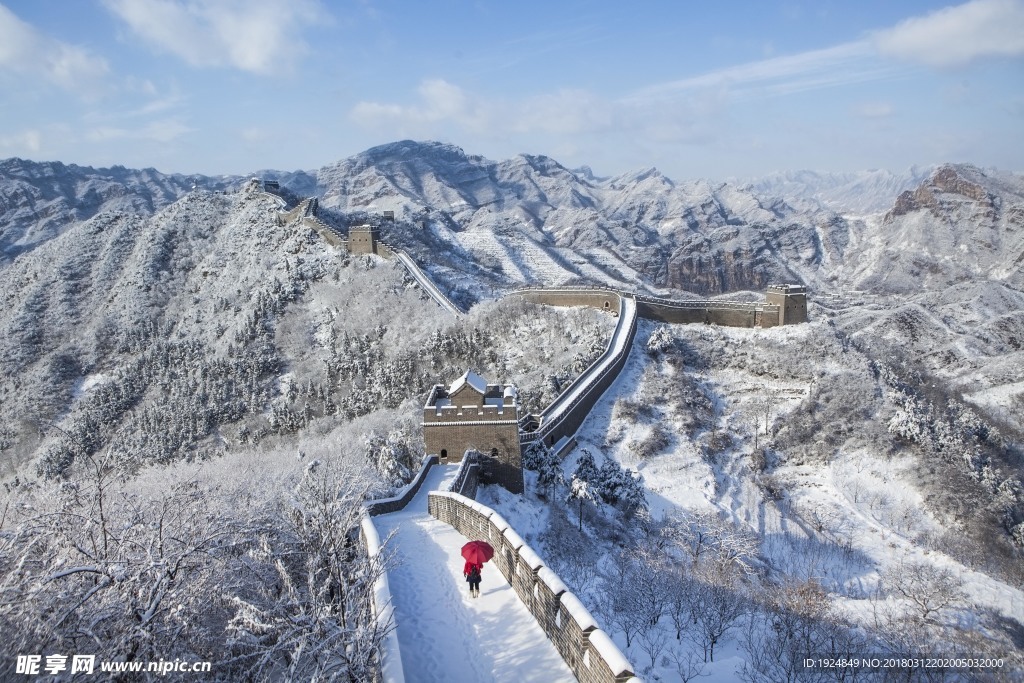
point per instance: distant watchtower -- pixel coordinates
(472, 414)
(363, 239)
(791, 300)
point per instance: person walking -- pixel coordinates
(472, 572)
(475, 553)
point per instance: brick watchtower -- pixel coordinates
(791, 300)
(472, 414)
(363, 239)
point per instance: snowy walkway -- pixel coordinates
(444, 634)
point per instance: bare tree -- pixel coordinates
(717, 609)
(636, 597)
(688, 664)
(679, 591)
(111, 568)
(929, 589)
(652, 641)
(796, 623)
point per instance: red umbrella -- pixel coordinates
(477, 552)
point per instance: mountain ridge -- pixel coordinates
(531, 220)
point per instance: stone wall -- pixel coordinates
(588, 651)
(596, 297)
(560, 420)
(723, 313)
(468, 477)
(383, 506)
(792, 303)
(363, 239)
(326, 232)
(451, 439)
(384, 611)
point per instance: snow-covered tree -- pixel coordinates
(581, 483)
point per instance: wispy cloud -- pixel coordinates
(24, 50)
(439, 101)
(950, 37)
(874, 110)
(844, 64)
(25, 142)
(162, 130)
(258, 36)
(955, 36)
(568, 119)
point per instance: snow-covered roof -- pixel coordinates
(474, 380)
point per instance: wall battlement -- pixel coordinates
(474, 415)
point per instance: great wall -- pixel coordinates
(589, 651)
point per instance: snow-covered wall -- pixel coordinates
(726, 313)
(566, 413)
(468, 476)
(391, 655)
(425, 282)
(383, 506)
(588, 650)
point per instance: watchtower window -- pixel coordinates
(444, 452)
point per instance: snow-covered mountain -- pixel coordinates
(857, 193)
(38, 201)
(531, 220)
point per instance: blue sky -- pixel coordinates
(711, 90)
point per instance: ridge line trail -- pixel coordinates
(443, 634)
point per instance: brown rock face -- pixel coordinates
(945, 180)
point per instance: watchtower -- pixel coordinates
(472, 414)
(363, 239)
(791, 300)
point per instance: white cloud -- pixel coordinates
(439, 101)
(260, 36)
(26, 142)
(26, 51)
(439, 104)
(254, 134)
(955, 36)
(163, 131)
(952, 36)
(874, 110)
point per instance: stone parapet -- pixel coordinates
(383, 609)
(566, 413)
(468, 476)
(383, 506)
(597, 297)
